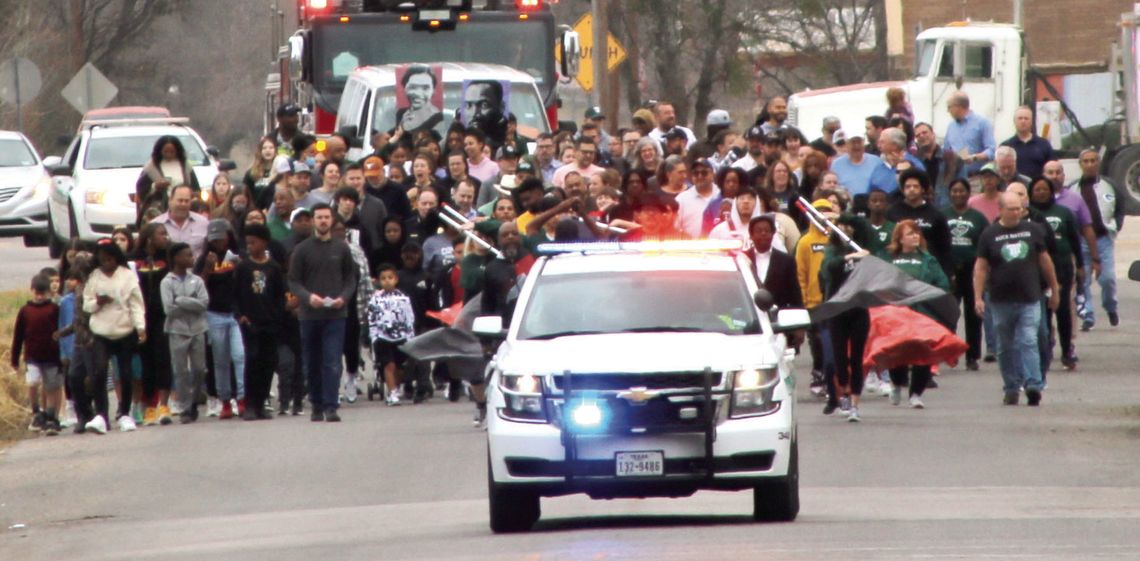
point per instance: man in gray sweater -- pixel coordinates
(322, 275)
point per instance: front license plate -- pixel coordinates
(640, 464)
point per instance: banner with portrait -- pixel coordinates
(485, 106)
(419, 96)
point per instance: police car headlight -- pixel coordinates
(523, 396)
(752, 390)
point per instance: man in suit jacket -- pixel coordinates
(774, 269)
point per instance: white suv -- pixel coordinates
(641, 374)
(94, 183)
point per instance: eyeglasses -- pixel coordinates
(701, 172)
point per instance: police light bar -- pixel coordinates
(670, 246)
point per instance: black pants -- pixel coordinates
(155, 358)
(964, 292)
(919, 376)
(815, 344)
(1064, 312)
(122, 350)
(352, 361)
(290, 374)
(848, 333)
(260, 362)
(80, 380)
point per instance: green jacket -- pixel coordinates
(922, 266)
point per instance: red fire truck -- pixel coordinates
(337, 36)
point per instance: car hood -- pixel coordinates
(21, 176)
(639, 352)
(124, 179)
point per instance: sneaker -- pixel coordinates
(1069, 361)
(68, 419)
(896, 395)
(885, 384)
(316, 416)
(830, 408)
(991, 358)
(393, 398)
(227, 411)
(350, 390)
(931, 384)
(331, 416)
(1087, 325)
(164, 415)
(264, 414)
(187, 417)
(38, 420)
(127, 424)
(854, 417)
(248, 415)
(150, 416)
(1010, 398)
(421, 397)
(972, 365)
(238, 406)
(845, 405)
(480, 418)
(1113, 319)
(98, 425)
(213, 407)
(298, 409)
(51, 426)
(1033, 397)
(818, 385)
(916, 402)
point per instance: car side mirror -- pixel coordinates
(52, 161)
(213, 151)
(792, 319)
(489, 326)
(58, 170)
(1134, 271)
(227, 165)
(764, 299)
(570, 51)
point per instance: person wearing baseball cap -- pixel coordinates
(859, 171)
(288, 119)
(716, 121)
(755, 157)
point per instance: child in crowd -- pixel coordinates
(67, 341)
(36, 324)
(184, 298)
(261, 312)
(391, 321)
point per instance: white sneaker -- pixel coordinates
(350, 389)
(69, 418)
(97, 425)
(854, 417)
(213, 407)
(126, 424)
(393, 397)
(896, 395)
(916, 402)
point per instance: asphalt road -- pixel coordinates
(18, 264)
(964, 479)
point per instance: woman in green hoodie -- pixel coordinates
(908, 252)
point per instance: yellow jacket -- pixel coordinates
(809, 258)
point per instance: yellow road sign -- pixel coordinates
(615, 53)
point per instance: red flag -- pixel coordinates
(900, 336)
(447, 315)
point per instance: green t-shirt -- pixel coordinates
(880, 238)
(1064, 226)
(965, 231)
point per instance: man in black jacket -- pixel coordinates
(774, 269)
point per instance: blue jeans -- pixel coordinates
(988, 326)
(227, 348)
(1044, 344)
(1016, 325)
(322, 346)
(1085, 309)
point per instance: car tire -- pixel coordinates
(778, 500)
(55, 245)
(512, 510)
(35, 240)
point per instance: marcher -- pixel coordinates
(966, 227)
(323, 277)
(152, 267)
(1107, 218)
(185, 300)
(1012, 260)
(260, 293)
(118, 322)
(34, 337)
(391, 321)
(217, 266)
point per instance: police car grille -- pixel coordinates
(653, 381)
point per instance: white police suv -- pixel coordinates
(641, 370)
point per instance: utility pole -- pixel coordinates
(1018, 7)
(611, 104)
(598, 10)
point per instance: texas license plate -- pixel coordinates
(640, 464)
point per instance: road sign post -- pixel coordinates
(20, 82)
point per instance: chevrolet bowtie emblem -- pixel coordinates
(639, 395)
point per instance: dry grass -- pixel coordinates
(14, 409)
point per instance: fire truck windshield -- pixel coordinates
(342, 47)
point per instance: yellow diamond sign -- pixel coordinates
(615, 53)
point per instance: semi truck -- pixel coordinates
(989, 61)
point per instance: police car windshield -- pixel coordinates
(113, 152)
(639, 302)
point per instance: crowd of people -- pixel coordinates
(311, 258)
